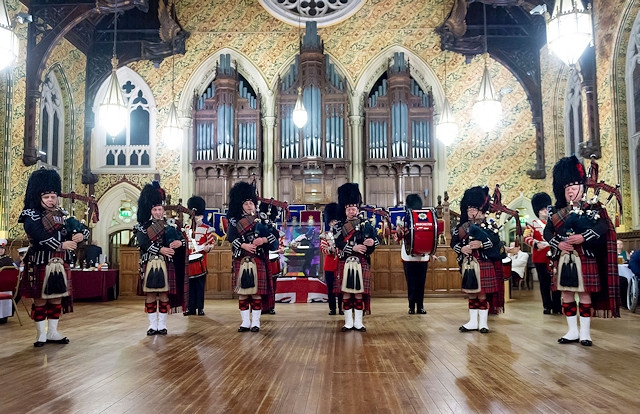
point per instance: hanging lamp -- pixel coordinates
(569, 30)
(299, 114)
(8, 39)
(112, 114)
(487, 110)
(446, 129)
(172, 131)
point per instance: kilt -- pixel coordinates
(590, 274)
(171, 277)
(490, 276)
(366, 276)
(33, 288)
(262, 275)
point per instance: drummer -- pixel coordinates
(201, 241)
(415, 266)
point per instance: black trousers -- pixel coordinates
(550, 300)
(196, 292)
(329, 278)
(415, 274)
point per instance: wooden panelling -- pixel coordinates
(443, 278)
(129, 258)
(219, 277)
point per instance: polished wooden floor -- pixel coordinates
(300, 362)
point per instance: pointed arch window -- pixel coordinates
(573, 114)
(51, 122)
(133, 147)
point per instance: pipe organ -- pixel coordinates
(227, 134)
(399, 155)
(310, 161)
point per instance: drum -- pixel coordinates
(422, 237)
(506, 268)
(274, 264)
(197, 266)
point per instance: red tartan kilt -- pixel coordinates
(490, 276)
(590, 275)
(35, 291)
(274, 267)
(263, 289)
(171, 277)
(366, 276)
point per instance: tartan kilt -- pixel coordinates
(171, 277)
(590, 274)
(34, 290)
(262, 275)
(269, 300)
(366, 276)
(490, 276)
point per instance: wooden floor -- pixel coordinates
(300, 362)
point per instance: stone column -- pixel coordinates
(357, 150)
(269, 185)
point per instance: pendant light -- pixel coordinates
(487, 110)
(8, 39)
(569, 30)
(112, 113)
(299, 112)
(172, 131)
(446, 129)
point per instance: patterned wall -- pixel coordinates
(502, 156)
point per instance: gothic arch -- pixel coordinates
(109, 207)
(426, 77)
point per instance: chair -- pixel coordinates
(9, 280)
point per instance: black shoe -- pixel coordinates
(62, 341)
(557, 312)
(547, 311)
(272, 311)
(162, 331)
(340, 312)
(484, 330)
(422, 311)
(243, 329)
(3, 320)
(567, 341)
(411, 311)
(151, 332)
(39, 344)
(255, 329)
(586, 342)
(345, 329)
(200, 312)
(463, 329)
(189, 313)
(363, 329)
(332, 312)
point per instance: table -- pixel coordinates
(300, 290)
(632, 291)
(94, 284)
(6, 308)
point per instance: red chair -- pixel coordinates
(9, 279)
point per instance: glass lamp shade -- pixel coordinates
(172, 131)
(113, 111)
(299, 113)
(569, 30)
(487, 110)
(8, 46)
(447, 129)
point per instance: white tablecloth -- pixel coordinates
(5, 307)
(624, 271)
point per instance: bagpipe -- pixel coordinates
(385, 225)
(282, 206)
(176, 229)
(496, 206)
(592, 182)
(92, 205)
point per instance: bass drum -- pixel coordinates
(422, 237)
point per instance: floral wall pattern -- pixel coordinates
(475, 158)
